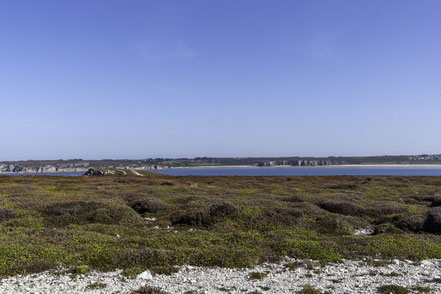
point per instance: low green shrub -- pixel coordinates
(142, 204)
(286, 215)
(392, 289)
(432, 223)
(333, 224)
(86, 212)
(409, 222)
(257, 275)
(215, 213)
(149, 290)
(6, 214)
(342, 207)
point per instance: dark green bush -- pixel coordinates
(143, 204)
(436, 201)
(409, 222)
(215, 213)
(167, 184)
(386, 228)
(433, 221)
(86, 212)
(334, 224)
(6, 214)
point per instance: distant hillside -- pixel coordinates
(79, 165)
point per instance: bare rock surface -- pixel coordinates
(288, 276)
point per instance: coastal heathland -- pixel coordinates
(155, 221)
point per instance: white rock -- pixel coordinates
(426, 263)
(147, 275)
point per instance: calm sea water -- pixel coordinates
(308, 171)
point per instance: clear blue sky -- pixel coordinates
(139, 78)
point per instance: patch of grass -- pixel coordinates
(257, 275)
(149, 290)
(316, 250)
(132, 272)
(96, 286)
(308, 289)
(292, 265)
(164, 270)
(82, 269)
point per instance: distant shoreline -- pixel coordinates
(245, 166)
(291, 166)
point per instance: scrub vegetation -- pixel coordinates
(157, 221)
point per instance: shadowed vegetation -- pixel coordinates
(157, 221)
(392, 289)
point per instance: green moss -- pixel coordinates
(82, 269)
(257, 275)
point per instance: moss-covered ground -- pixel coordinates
(157, 221)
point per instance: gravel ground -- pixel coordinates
(288, 276)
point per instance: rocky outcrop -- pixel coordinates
(10, 168)
(295, 163)
(95, 172)
(113, 172)
(310, 162)
(63, 167)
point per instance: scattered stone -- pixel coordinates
(345, 277)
